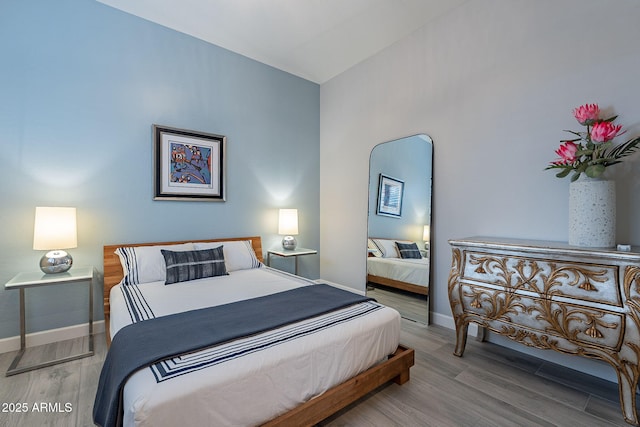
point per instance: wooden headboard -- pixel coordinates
(113, 270)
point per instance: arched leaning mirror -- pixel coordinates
(399, 221)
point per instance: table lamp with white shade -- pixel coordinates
(55, 230)
(288, 226)
(426, 236)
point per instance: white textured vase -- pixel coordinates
(592, 213)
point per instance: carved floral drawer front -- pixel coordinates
(588, 282)
(551, 295)
(586, 325)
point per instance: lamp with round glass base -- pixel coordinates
(54, 230)
(288, 225)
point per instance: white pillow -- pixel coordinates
(143, 264)
(373, 249)
(387, 248)
(238, 254)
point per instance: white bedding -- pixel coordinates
(259, 385)
(414, 271)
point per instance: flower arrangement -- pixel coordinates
(591, 152)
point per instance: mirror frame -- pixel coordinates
(371, 210)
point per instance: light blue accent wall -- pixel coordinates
(81, 85)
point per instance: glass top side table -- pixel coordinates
(22, 281)
(290, 253)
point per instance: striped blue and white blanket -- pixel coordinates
(161, 342)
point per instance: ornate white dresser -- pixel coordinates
(550, 295)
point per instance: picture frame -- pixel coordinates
(390, 193)
(189, 165)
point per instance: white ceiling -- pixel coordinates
(313, 39)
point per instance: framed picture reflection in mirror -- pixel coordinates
(390, 192)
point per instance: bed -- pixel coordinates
(305, 373)
(386, 265)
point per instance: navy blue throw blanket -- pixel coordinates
(142, 344)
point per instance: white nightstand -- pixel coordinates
(34, 279)
(290, 253)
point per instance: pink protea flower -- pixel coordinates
(604, 131)
(587, 114)
(592, 151)
(567, 153)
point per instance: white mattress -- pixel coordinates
(414, 271)
(258, 386)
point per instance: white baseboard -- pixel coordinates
(339, 286)
(448, 322)
(50, 336)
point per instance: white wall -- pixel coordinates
(494, 84)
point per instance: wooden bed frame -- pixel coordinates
(395, 368)
(392, 283)
(397, 284)
(410, 287)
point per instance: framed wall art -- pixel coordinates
(390, 191)
(189, 165)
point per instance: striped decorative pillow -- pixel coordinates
(192, 265)
(409, 250)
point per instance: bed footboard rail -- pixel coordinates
(395, 368)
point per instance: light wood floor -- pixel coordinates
(72, 382)
(411, 306)
(489, 386)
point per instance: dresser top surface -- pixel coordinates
(544, 245)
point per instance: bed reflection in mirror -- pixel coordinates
(399, 223)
